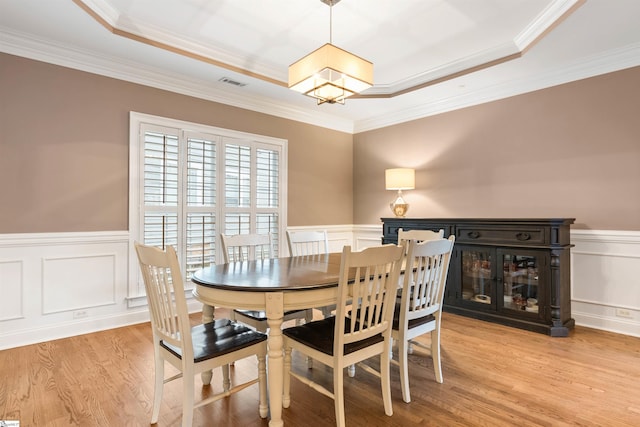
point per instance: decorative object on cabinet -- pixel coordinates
(511, 271)
(399, 179)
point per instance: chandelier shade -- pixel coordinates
(330, 74)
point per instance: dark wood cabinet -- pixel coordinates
(511, 271)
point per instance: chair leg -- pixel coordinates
(308, 317)
(159, 383)
(206, 377)
(404, 369)
(385, 382)
(286, 386)
(262, 384)
(351, 371)
(338, 396)
(435, 353)
(226, 378)
(208, 314)
(188, 396)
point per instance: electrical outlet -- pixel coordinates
(623, 312)
(80, 314)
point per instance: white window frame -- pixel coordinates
(136, 293)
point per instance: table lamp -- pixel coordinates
(400, 179)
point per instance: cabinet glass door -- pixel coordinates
(520, 278)
(477, 277)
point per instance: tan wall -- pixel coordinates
(64, 138)
(567, 151)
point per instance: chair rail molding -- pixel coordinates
(43, 277)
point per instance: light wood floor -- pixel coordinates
(493, 376)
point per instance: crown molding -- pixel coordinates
(42, 50)
(39, 49)
(545, 21)
(127, 26)
(614, 60)
(124, 25)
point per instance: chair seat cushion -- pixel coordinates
(217, 338)
(412, 323)
(262, 315)
(319, 336)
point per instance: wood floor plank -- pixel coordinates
(493, 376)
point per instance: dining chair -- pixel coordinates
(309, 243)
(368, 281)
(419, 310)
(250, 247)
(419, 235)
(192, 350)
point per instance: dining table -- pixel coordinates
(275, 286)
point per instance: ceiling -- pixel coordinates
(429, 56)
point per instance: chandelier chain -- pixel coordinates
(331, 22)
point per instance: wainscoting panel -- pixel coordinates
(61, 284)
(605, 290)
(11, 289)
(56, 285)
(78, 282)
(366, 236)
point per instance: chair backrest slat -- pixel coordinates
(247, 247)
(165, 294)
(423, 287)
(366, 290)
(417, 235)
(307, 242)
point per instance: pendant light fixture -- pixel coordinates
(330, 74)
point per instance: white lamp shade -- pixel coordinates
(400, 179)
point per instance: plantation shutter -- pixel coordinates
(194, 184)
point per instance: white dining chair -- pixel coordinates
(307, 242)
(404, 237)
(192, 350)
(250, 247)
(352, 335)
(419, 235)
(310, 243)
(419, 310)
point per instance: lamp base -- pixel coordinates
(399, 207)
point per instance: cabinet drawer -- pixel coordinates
(520, 236)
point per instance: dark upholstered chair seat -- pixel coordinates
(319, 336)
(217, 338)
(412, 323)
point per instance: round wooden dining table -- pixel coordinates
(275, 286)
